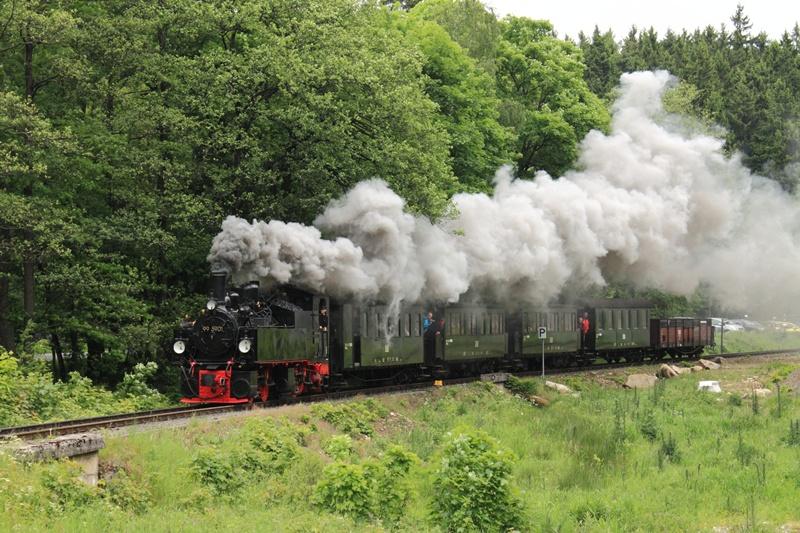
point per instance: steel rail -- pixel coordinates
(64, 427)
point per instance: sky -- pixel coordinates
(571, 16)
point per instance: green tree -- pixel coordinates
(468, 107)
(474, 27)
(602, 59)
(546, 99)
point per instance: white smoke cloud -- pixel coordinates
(651, 204)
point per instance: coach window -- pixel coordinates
(607, 317)
(624, 319)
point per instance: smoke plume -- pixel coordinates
(651, 203)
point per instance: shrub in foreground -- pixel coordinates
(472, 490)
(374, 489)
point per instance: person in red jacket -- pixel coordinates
(584, 323)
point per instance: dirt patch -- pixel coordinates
(393, 423)
(606, 378)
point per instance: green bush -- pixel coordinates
(354, 418)
(125, 493)
(345, 489)
(522, 387)
(134, 387)
(262, 448)
(472, 490)
(279, 444)
(61, 479)
(339, 446)
(28, 394)
(217, 469)
(374, 489)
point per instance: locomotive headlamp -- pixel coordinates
(245, 345)
(211, 305)
(179, 347)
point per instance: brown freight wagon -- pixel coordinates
(681, 336)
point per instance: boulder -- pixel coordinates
(640, 381)
(709, 365)
(562, 389)
(697, 368)
(709, 386)
(667, 371)
(762, 393)
(718, 360)
(539, 401)
(683, 369)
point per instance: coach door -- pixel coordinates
(587, 341)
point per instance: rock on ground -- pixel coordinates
(562, 389)
(539, 401)
(667, 371)
(640, 381)
(709, 365)
(709, 386)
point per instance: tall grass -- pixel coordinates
(668, 459)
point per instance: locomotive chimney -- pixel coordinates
(218, 279)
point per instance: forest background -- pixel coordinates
(130, 128)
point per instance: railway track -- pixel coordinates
(51, 429)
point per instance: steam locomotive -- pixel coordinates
(247, 345)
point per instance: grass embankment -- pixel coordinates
(665, 459)
(751, 341)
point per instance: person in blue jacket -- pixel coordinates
(427, 322)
